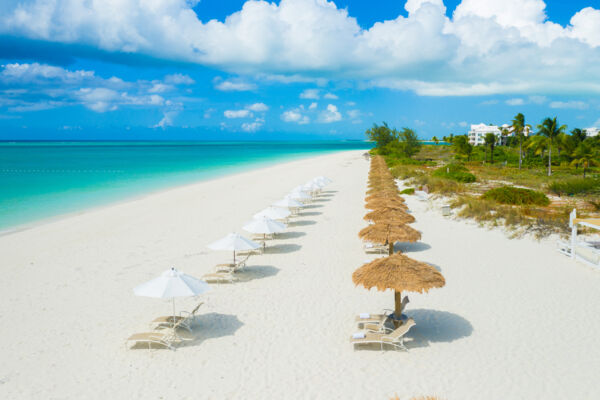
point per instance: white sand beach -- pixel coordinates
(516, 319)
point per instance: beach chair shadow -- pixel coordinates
(312, 206)
(211, 325)
(282, 248)
(412, 247)
(256, 272)
(309, 214)
(290, 235)
(435, 326)
(301, 223)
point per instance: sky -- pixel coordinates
(292, 69)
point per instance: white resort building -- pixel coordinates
(589, 132)
(477, 133)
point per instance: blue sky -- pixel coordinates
(293, 69)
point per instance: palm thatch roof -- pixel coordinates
(400, 273)
(383, 202)
(390, 215)
(384, 233)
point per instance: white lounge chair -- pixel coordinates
(394, 338)
(184, 321)
(220, 277)
(166, 338)
(233, 266)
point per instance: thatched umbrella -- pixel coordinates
(400, 273)
(389, 215)
(392, 202)
(388, 234)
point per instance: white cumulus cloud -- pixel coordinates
(258, 107)
(237, 114)
(295, 116)
(330, 115)
(426, 51)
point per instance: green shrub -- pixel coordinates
(408, 191)
(574, 186)
(455, 172)
(516, 196)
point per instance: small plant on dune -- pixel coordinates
(570, 187)
(455, 172)
(408, 191)
(516, 196)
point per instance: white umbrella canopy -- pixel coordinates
(171, 284)
(234, 242)
(299, 195)
(288, 202)
(311, 187)
(264, 225)
(324, 179)
(273, 213)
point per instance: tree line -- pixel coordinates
(551, 142)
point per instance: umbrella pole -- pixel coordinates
(397, 308)
(390, 249)
(397, 304)
(234, 256)
(173, 314)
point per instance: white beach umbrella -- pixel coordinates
(273, 213)
(324, 179)
(311, 187)
(318, 183)
(234, 241)
(299, 195)
(264, 225)
(288, 202)
(171, 284)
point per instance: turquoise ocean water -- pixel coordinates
(39, 180)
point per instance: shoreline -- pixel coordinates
(238, 169)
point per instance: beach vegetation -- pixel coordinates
(575, 186)
(548, 132)
(516, 196)
(392, 143)
(455, 172)
(490, 141)
(408, 191)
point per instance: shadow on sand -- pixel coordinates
(312, 206)
(309, 214)
(290, 235)
(436, 326)
(301, 223)
(253, 272)
(411, 247)
(282, 248)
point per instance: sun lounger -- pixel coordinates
(366, 318)
(375, 248)
(166, 338)
(239, 264)
(183, 321)
(220, 277)
(394, 338)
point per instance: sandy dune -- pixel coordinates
(516, 320)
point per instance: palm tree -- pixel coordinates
(435, 140)
(518, 124)
(550, 129)
(585, 155)
(490, 140)
(579, 134)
